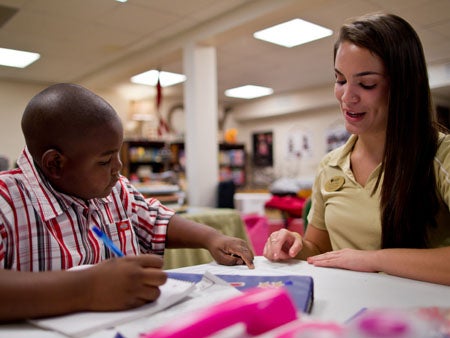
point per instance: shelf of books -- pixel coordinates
(158, 156)
(232, 163)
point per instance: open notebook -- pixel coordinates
(85, 323)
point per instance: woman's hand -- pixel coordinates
(229, 250)
(350, 259)
(282, 245)
(429, 265)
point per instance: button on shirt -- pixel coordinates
(42, 229)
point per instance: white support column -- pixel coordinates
(201, 113)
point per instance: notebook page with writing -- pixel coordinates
(85, 323)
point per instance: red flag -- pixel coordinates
(158, 94)
(163, 127)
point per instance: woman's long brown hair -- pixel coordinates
(408, 202)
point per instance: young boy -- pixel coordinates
(68, 180)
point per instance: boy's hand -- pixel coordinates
(123, 283)
(229, 250)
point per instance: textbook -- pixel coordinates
(300, 288)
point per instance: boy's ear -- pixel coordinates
(52, 163)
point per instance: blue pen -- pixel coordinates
(107, 241)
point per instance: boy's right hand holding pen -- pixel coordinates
(124, 283)
(119, 284)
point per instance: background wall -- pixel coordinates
(312, 113)
(14, 97)
(313, 124)
(305, 117)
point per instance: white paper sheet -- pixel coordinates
(209, 291)
(84, 323)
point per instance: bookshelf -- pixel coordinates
(158, 156)
(144, 155)
(232, 160)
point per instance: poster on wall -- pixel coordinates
(336, 135)
(263, 149)
(299, 144)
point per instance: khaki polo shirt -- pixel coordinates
(349, 211)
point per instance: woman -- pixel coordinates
(381, 201)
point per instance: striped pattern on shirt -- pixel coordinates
(42, 229)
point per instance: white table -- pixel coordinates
(338, 294)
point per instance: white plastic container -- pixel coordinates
(251, 203)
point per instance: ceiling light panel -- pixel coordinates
(248, 92)
(293, 33)
(17, 58)
(166, 79)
